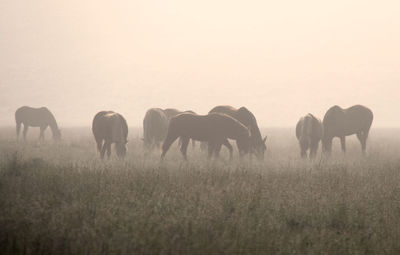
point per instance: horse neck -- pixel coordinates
(255, 132)
(53, 124)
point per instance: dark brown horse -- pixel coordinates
(172, 112)
(214, 128)
(339, 122)
(36, 117)
(155, 127)
(109, 127)
(249, 120)
(309, 133)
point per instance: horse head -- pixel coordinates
(57, 134)
(260, 148)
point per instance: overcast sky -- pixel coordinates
(280, 59)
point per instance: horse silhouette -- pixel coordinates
(339, 122)
(172, 112)
(309, 132)
(109, 127)
(36, 117)
(214, 128)
(155, 127)
(249, 120)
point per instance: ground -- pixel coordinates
(61, 198)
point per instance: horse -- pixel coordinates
(309, 132)
(339, 122)
(248, 119)
(214, 128)
(109, 127)
(155, 127)
(172, 112)
(36, 117)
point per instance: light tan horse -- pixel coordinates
(339, 122)
(214, 128)
(36, 117)
(246, 118)
(309, 132)
(109, 127)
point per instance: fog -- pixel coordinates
(281, 59)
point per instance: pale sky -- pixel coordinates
(280, 59)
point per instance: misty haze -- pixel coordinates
(199, 127)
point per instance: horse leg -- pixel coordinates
(364, 145)
(18, 129)
(230, 148)
(227, 145)
(193, 144)
(41, 136)
(327, 146)
(26, 127)
(184, 145)
(343, 143)
(313, 149)
(362, 137)
(303, 151)
(103, 150)
(108, 148)
(211, 146)
(99, 143)
(217, 149)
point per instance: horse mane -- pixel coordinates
(313, 116)
(254, 129)
(52, 120)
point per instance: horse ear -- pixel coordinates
(265, 139)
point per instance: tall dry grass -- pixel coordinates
(61, 199)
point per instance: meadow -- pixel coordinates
(62, 199)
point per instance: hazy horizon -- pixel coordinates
(279, 59)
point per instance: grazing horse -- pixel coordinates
(36, 117)
(249, 120)
(172, 112)
(109, 127)
(309, 132)
(214, 128)
(155, 127)
(340, 122)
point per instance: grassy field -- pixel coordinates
(62, 199)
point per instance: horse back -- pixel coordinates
(214, 126)
(110, 126)
(344, 122)
(171, 112)
(34, 116)
(155, 124)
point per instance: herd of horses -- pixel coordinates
(165, 126)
